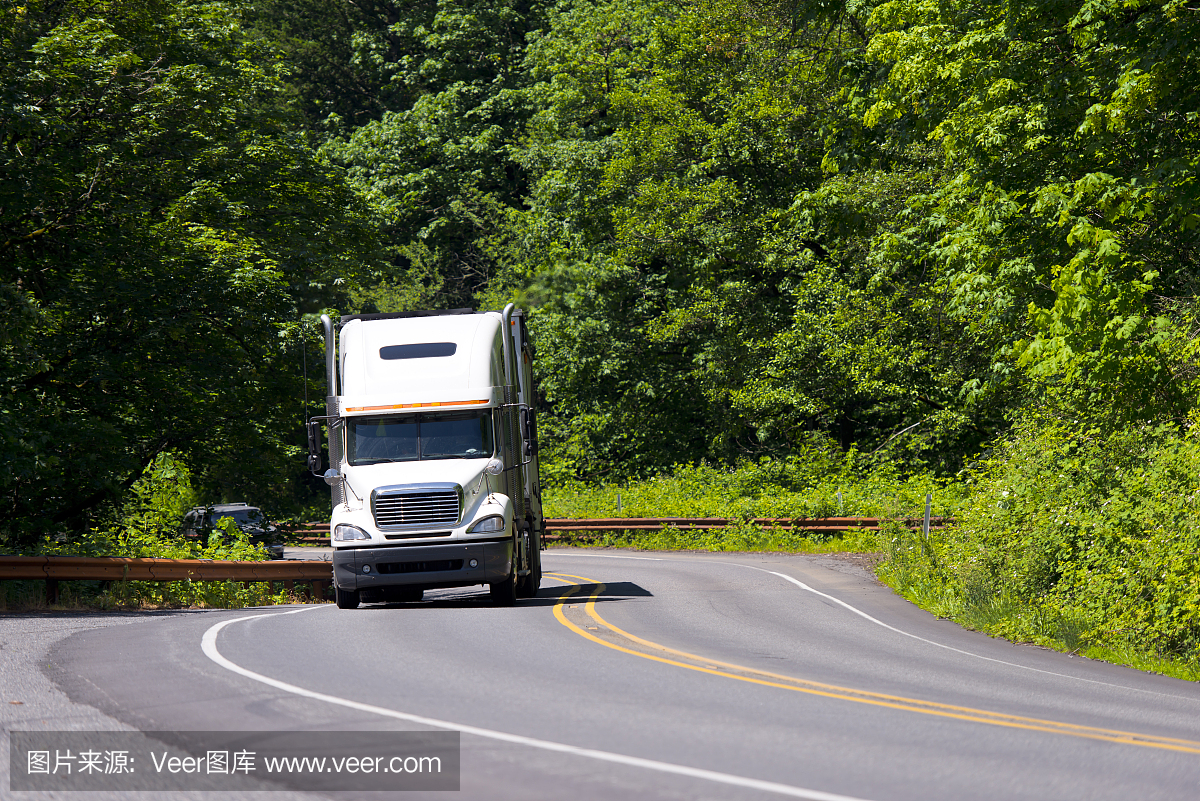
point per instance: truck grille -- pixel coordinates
(416, 509)
(436, 566)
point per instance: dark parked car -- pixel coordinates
(200, 521)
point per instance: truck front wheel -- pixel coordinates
(530, 584)
(346, 599)
(504, 593)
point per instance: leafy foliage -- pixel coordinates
(1068, 225)
(160, 229)
(774, 248)
(820, 482)
(420, 103)
(704, 275)
(1077, 538)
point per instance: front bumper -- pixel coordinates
(427, 566)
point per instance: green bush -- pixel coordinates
(741, 538)
(147, 526)
(1084, 540)
(820, 483)
(134, 541)
(17, 595)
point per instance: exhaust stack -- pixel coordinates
(331, 408)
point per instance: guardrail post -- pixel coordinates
(318, 589)
(51, 591)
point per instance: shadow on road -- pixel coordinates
(472, 597)
(618, 589)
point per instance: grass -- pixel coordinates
(140, 536)
(745, 538)
(818, 485)
(976, 608)
(1057, 634)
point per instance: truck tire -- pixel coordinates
(504, 593)
(409, 594)
(530, 584)
(535, 575)
(346, 599)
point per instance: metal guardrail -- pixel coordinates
(317, 533)
(53, 569)
(306, 532)
(659, 523)
(819, 525)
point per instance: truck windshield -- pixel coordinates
(408, 438)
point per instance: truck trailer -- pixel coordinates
(433, 456)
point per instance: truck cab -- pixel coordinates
(433, 455)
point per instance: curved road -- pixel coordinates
(667, 676)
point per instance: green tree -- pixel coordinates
(712, 156)
(160, 232)
(349, 62)
(1067, 226)
(418, 101)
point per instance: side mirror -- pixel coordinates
(494, 467)
(314, 447)
(332, 476)
(529, 431)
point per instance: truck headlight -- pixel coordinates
(344, 531)
(492, 523)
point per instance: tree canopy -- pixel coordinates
(739, 225)
(161, 229)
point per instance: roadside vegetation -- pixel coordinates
(1083, 541)
(146, 525)
(771, 250)
(30, 596)
(819, 482)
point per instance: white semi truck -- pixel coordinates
(433, 455)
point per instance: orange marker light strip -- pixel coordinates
(416, 405)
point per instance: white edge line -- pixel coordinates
(934, 643)
(878, 622)
(209, 645)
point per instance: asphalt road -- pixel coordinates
(665, 676)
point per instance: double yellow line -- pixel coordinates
(658, 653)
